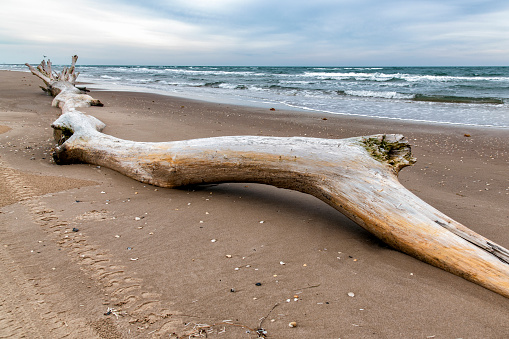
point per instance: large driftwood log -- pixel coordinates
(356, 176)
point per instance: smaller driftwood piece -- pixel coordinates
(356, 176)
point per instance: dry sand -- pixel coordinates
(147, 252)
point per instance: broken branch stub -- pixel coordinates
(356, 176)
(57, 82)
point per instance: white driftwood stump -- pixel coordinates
(356, 176)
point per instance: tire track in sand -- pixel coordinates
(124, 294)
(26, 305)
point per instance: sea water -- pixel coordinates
(477, 96)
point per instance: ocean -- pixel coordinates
(476, 96)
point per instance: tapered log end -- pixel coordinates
(64, 156)
(392, 149)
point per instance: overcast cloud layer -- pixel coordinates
(257, 32)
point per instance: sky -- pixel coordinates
(257, 32)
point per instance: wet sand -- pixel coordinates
(90, 253)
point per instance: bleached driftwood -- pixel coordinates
(356, 176)
(62, 85)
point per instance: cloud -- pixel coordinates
(258, 32)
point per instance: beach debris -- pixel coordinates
(282, 263)
(137, 218)
(113, 311)
(272, 109)
(117, 236)
(258, 284)
(134, 259)
(228, 255)
(213, 240)
(467, 135)
(351, 294)
(293, 324)
(74, 229)
(262, 333)
(357, 176)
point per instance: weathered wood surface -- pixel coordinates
(356, 176)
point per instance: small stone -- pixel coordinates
(74, 229)
(117, 236)
(282, 263)
(137, 218)
(228, 255)
(232, 290)
(258, 284)
(213, 240)
(351, 294)
(293, 324)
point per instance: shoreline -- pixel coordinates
(260, 104)
(279, 106)
(164, 271)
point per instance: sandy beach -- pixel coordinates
(89, 253)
